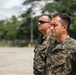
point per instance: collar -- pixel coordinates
(49, 33)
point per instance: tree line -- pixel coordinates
(26, 28)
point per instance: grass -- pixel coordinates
(4, 43)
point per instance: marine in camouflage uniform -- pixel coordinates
(61, 58)
(40, 52)
(61, 55)
(42, 44)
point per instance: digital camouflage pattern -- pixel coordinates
(61, 59)
(40, 52)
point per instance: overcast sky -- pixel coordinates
(11, 7)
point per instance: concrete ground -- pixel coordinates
(16, 61)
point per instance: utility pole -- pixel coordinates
(31, 30)
(31, 25)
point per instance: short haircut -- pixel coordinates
(49, 16)
(64, 19)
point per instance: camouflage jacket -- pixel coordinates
(61, 58)
(40, 52)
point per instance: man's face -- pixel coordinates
(56, 27)
(43, 23)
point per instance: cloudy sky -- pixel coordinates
(11, 7)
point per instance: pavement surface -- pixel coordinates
(16, 61)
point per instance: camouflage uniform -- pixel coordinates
(40, 54)
(61, 59)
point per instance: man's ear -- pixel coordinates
(64, 27)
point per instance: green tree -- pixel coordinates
(2, 31)
(8, 28)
